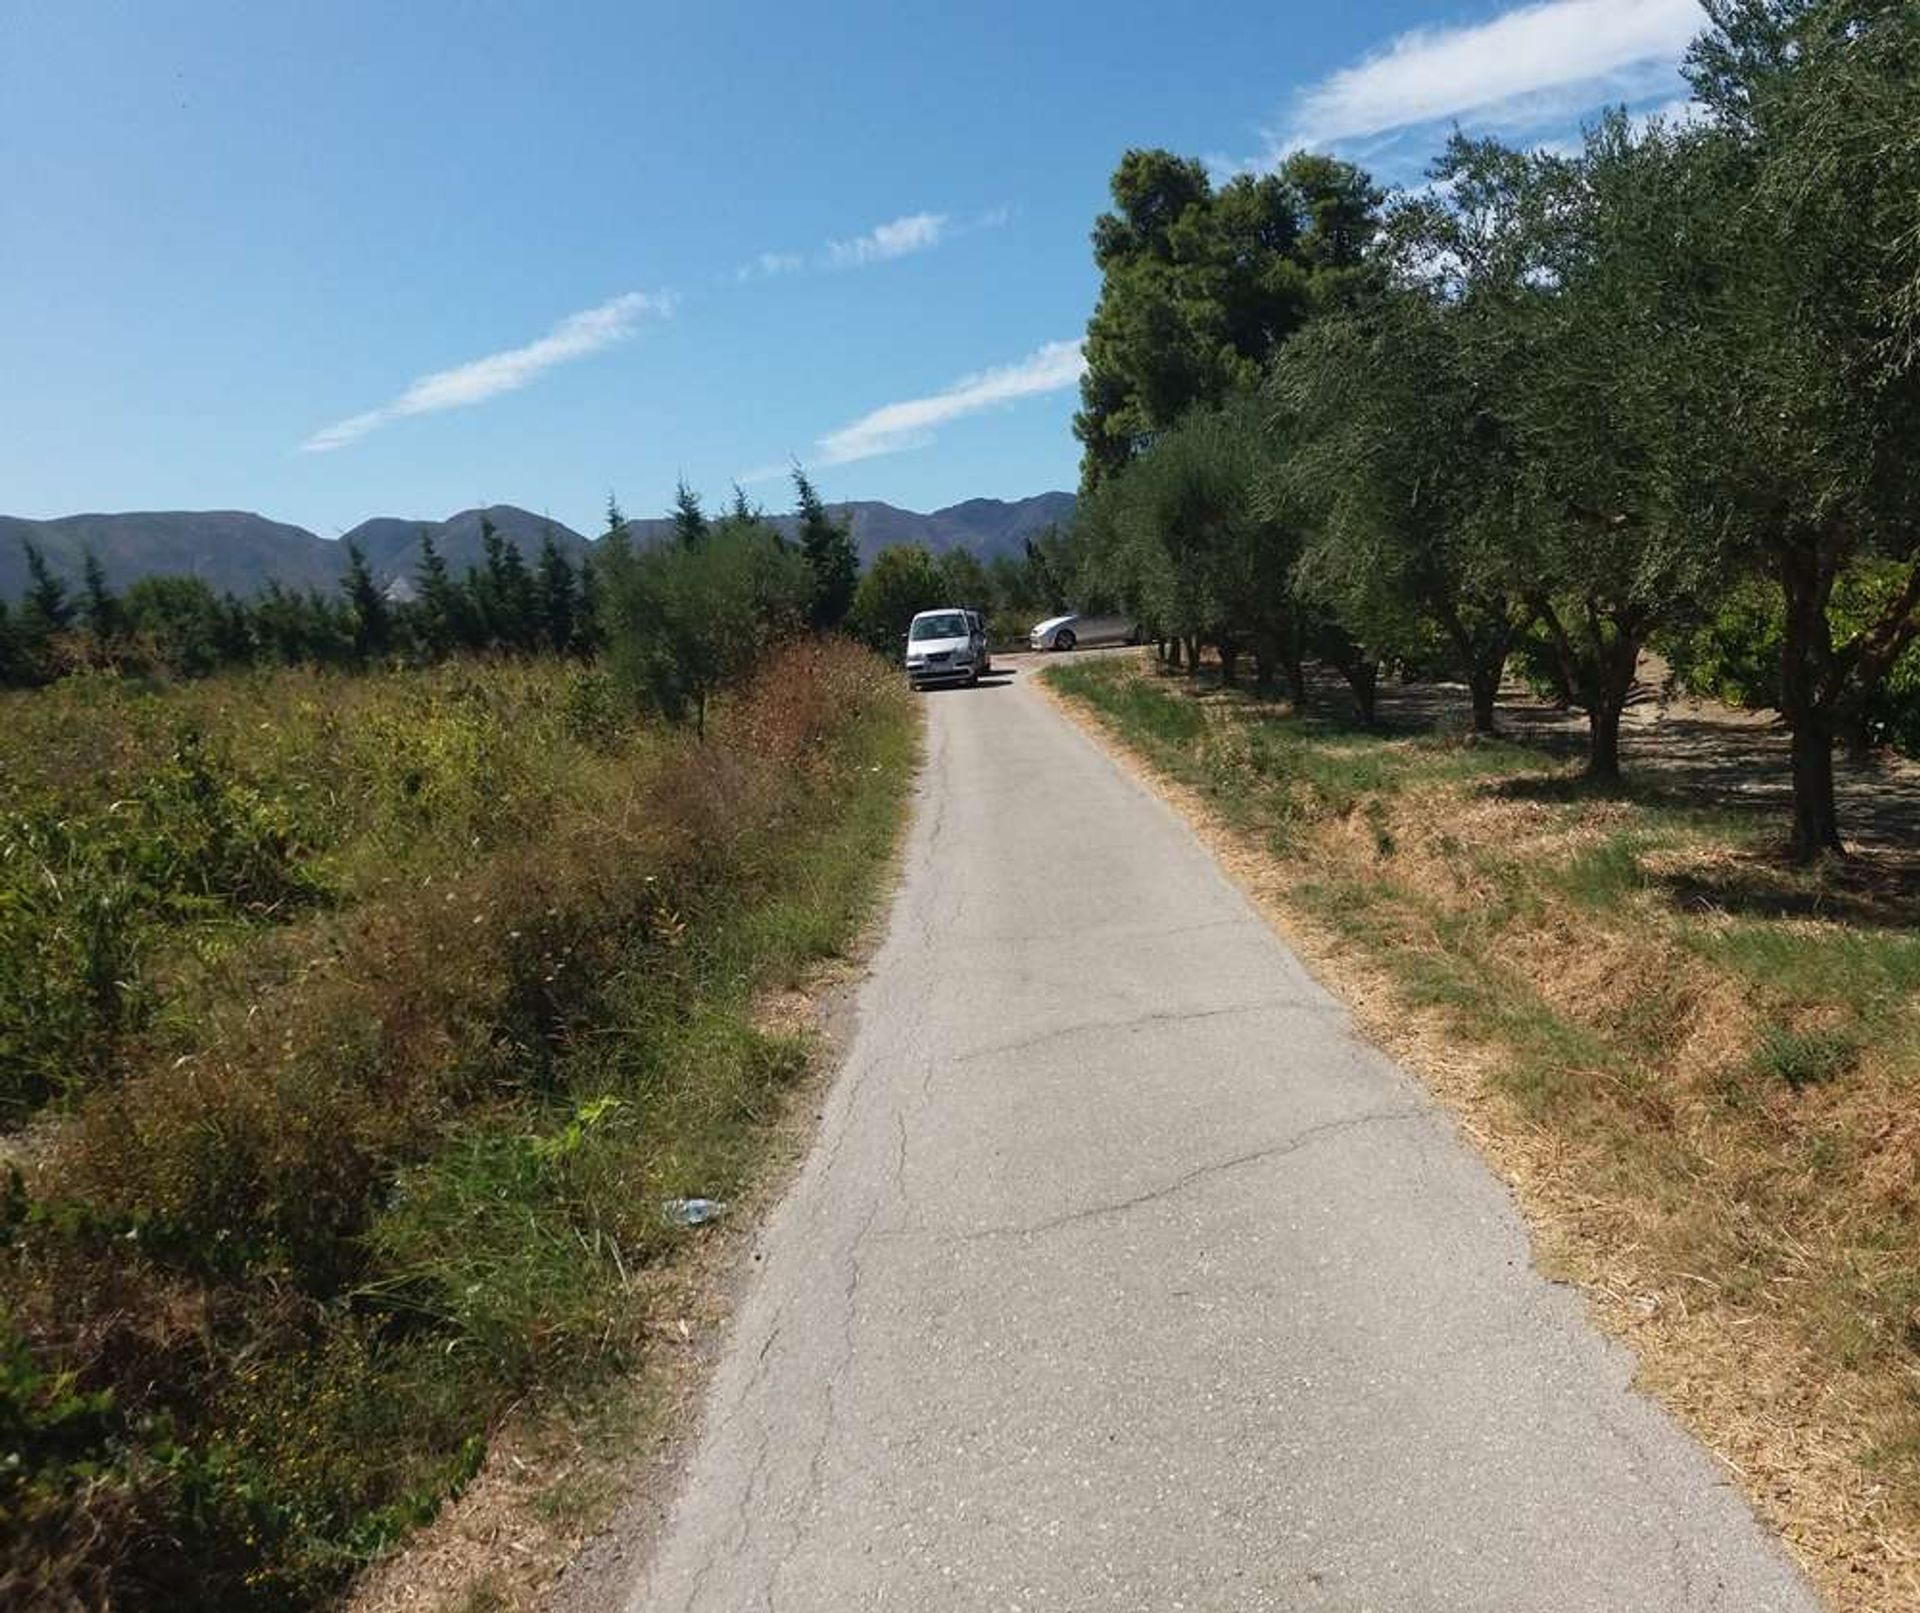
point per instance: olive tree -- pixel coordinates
(1802, 400)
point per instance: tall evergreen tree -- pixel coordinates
(372, 620)
(556, 597)
(1201, 285)
(503, 593)
(514, 592)
(830, 554)
(100, 609)
(442, 612)
(16, 667)
(690, 523)
(234, 637)
(47, 607)
(587, 629)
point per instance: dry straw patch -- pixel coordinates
(1695, 1205)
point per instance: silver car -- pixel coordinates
(1077, 632)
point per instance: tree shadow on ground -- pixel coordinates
(1681, 756)
(1877, 890)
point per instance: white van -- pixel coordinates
(945, 646)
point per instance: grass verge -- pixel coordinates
(1697, 1068)
(351, 1176)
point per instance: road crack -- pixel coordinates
(1189, 1016)
(1199, 1173)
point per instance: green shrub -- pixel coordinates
(1735, 655)
(1804, 1058)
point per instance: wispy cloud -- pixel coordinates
(576, 336)
(910, 424)
(916, 232)
(769, 264)
(897, 238)
(1552, 58)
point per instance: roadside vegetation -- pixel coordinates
(1547, 413)
(358, 1026)
(1697, 1063)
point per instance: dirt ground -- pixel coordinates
(1671, 740)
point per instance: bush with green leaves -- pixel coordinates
(1734, 655)
(687, 618)
(903, 580)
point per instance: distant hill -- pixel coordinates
(988, 526)
(238, 551)
(392, 544)
(231, 549)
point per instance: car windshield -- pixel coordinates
(951, 626)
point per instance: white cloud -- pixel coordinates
(1525, 59)
(769, 264)
(910, 424)
(574, 337)
(916, 232)
(897, 238)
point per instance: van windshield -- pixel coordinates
(952, 625)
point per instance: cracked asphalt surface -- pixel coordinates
(1123, 1275)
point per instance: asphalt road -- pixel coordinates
(1124, 1276)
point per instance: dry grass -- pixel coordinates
(1696, 1068)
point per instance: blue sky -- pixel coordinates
(334, 260)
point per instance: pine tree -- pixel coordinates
(275, 624)
(831, 556)
(105, 619)
(514, 594)
(443, 612)
(47, 608)
(586, 618)
(372, 621)
(486, 587)
(234, 637)
(16, 669)
(689, 520)
(556, 597)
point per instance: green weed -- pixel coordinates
(1804, 1058)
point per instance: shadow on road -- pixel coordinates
(996, 679)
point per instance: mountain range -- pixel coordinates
(236, 551)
